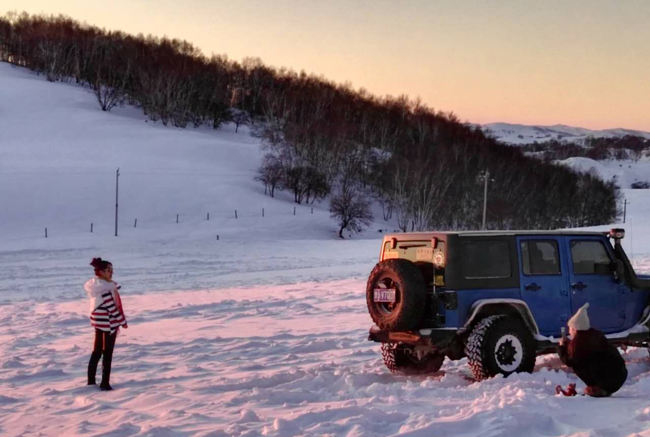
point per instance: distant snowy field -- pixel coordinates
(262, 332)
(523, 134)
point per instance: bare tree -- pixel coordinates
(110, 85)
(270, 173)
(240, 117)
(351, 208)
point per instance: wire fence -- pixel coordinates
(218, 217)
(59, 201)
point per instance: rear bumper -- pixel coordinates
(428, 337)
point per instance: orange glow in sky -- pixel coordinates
(583, 63)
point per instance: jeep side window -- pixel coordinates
(586, 254)
(486, 260)
(540, 257)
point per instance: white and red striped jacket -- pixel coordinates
(105, 314)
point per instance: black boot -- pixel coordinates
(92, 367)
(106, 369)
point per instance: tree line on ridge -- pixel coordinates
(422, 168)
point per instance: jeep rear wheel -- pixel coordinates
(403, 280)
(408, 360)
(500, 345)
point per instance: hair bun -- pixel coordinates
(95, 262)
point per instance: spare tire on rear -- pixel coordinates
(404, 279)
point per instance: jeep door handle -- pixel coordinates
(578, 286)
(533, 287)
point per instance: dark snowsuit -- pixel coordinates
(596, 362)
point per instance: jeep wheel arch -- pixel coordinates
(512, 307)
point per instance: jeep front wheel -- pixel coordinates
(408, 360)
(396, 295)
(500, 345)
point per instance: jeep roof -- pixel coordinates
(427, 235)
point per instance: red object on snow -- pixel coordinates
(570, 391)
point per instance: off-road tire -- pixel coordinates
(500, 344)
(398, 360)
(410, 295)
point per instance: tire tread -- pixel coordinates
(477, 352)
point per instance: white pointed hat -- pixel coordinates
(580, 320)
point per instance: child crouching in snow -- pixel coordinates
(596, 362)
(106, 316)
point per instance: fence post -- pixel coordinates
(208, 216)
(45, 232)
(262, 212)
(117, 185)
(294, 210)
(91, 228)
(217, 237)
(176, 218)
(235, 213)
(135, 224)
(312, 210)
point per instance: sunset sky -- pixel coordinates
(581, 62)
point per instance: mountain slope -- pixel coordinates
(58, 159)
(60, 154)
(522, 134)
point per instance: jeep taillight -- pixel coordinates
(439, 263)
(617, 233)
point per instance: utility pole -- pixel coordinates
(117, 186)
(486, 175)
(625, 202)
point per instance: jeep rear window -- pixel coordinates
(586, 254)
(540, 257)
(486, 259)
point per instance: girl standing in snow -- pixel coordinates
(106, 316)
(596, 362)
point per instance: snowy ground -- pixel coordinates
(262, 332)
(275, 360)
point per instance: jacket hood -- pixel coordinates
(95, 287)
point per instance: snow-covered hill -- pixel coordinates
(60, 154)
(623, 173)
(260, 333)
(522, 134)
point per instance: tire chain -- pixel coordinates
(474, 347)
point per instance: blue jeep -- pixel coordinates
(499, 298)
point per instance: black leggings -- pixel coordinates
(104, 345)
